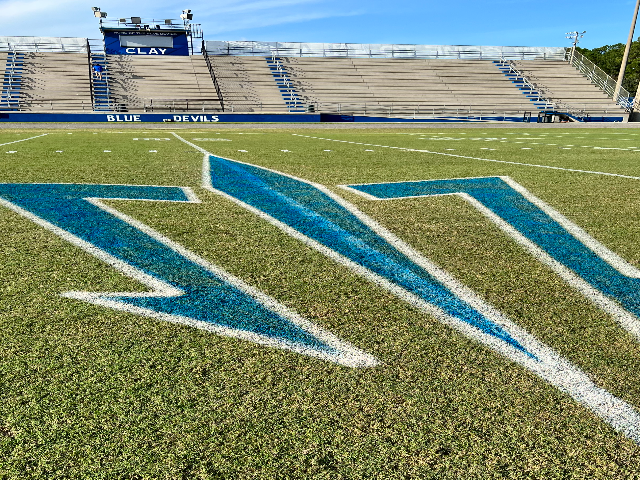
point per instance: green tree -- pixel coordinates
(609, 59)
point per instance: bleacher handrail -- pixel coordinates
(357, 50)
(213, 75)
(598, 77)
(177, 105)
(513, 69)
(295, 104)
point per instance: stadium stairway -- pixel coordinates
(286, 87)
(12, 81)
(100, 90)
(523, 84)
(162, 84)
(569, 89)
(247, 84)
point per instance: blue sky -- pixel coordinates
(456, 22)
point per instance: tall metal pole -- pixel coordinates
(575, 36)
(623, 67)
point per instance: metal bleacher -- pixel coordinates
(384, 86)
(567, 88)
(247, 84)
(408, 80)
(43, 74)
(162, 84)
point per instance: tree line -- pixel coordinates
(609, 59)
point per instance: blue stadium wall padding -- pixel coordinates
(158, 117)
(8, 116)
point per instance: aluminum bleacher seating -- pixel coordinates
(55, 76)
(55, 82)
(471, 84)
(161, 84)
(403, 86)
(247, 84)
(566, 86)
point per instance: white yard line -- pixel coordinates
(23, 140)
(474, 158)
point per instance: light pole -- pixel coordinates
(626, 54)
(575, 36)
(99, 14)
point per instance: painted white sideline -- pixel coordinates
(549, 365)
(474, 158)
(23, 140)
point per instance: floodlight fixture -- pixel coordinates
(103, 14)
(122, 20)
(136, 20)
(95, 9)
(575, 36)
(188, 10)
(168, 21)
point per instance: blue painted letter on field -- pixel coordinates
(323, 220)
(185, 288)
(560, 243)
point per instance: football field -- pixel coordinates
(320, 303)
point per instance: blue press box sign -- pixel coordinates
(145, 42)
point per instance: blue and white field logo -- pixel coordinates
(187, 289)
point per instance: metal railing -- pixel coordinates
(43, 44)
(213, 75)
(290, 88)
(201, 105)
(415, 111)
(357, 50)
(10, 92)
(535, 89)
(388, 110)
(598, 77)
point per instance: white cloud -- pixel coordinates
(258, 21)
(74, 17)
(13, 9)
(253, 6)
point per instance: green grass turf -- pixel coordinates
(89, 392)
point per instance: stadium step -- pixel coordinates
(12, 82)
(287, 89)
(100, 88)
(519, 80)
